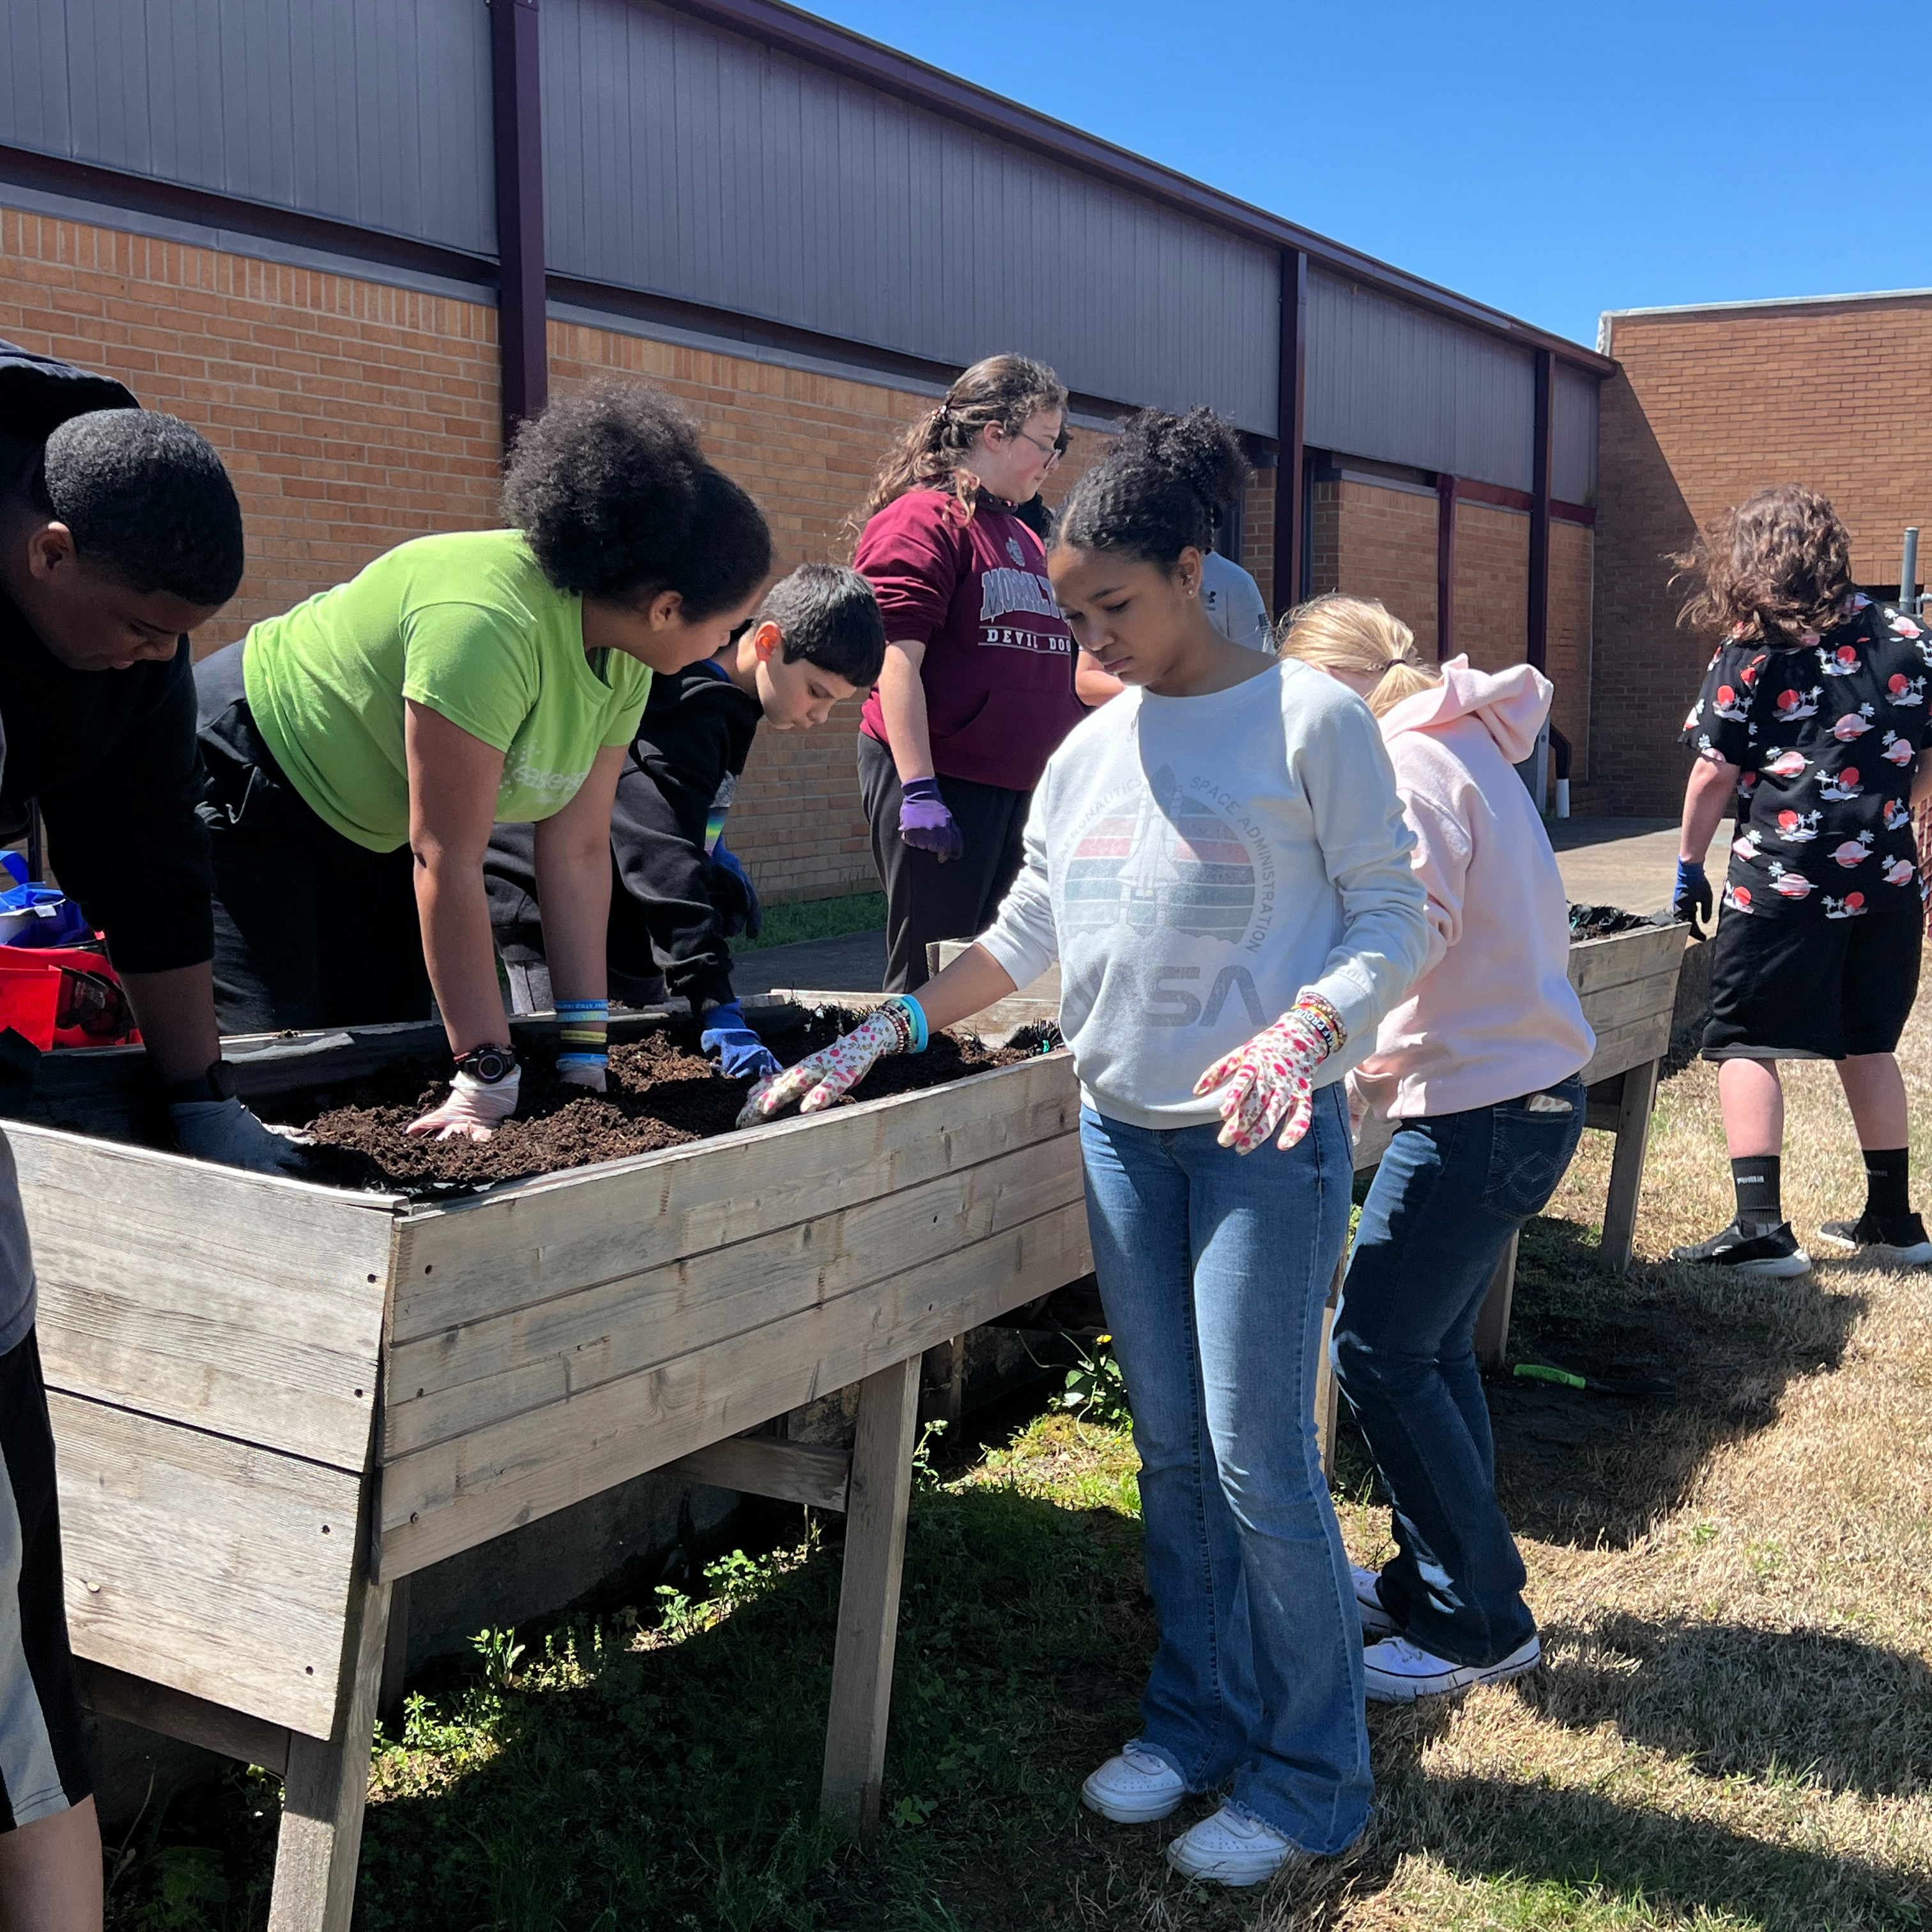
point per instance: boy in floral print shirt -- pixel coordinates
(1813, 716)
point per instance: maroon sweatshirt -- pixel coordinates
(998, 669)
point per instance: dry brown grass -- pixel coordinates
(1734, 1724)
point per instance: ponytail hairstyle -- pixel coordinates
(1160, 490)
(617, 500)
(1777, 567)
(936, 452)
(1336, 632)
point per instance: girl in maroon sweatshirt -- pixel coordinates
(977, 688)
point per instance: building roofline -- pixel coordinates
(1610, 315)
(789, 30)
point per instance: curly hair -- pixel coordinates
(1160, 490)
(619, 501)
(934, 453)
(1778, 567)
(148, 502)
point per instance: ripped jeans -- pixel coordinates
(1448, 1194)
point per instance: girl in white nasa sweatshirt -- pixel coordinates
(1218, 859)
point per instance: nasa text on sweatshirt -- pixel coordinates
(1196, 864)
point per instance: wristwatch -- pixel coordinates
(217, 1083)
(491, 1065)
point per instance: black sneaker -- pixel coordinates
(1774, 1251)
(1895, 1240)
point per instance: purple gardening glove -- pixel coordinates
(925, 824)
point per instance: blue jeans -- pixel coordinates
(1449, 1193)
(1213, 1266)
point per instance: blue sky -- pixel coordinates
(1555, 161)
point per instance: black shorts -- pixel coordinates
(43, 1765)
(1811, 988)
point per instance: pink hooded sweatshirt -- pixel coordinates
(1493, 1014)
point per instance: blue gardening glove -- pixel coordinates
(733, 897)
(925, 823)
(740, 1053)
(225, 1131)
(1691, 899)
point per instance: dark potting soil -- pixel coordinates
(1599, 921)
(663, 1092)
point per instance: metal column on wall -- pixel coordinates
(523, 344)
(1445, 566)
(1539, 509)
(1291, 417)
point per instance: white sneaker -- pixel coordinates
(1376, 1622)
(1897, 1243)
(1229, 1848)
(1398, 1672)
(1135, 1788)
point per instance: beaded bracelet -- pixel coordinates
(908, 1019)
(1322, 1015)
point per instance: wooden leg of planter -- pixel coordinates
(1327, 1391)
(1493, 1318)
(942, 1382)
(876, 1502)
(323, 1796)
(395, 1653)
(1633, 1132)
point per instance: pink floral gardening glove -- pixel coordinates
(821, 1078)
(473, 1111)
(1271, 1081)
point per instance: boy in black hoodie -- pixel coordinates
(677, 894)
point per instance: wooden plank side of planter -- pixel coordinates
(1608, 1007)
(219, 1569)
(449, 1499)
(1595, 963)
(475, 1374)
(237, 1303)
(526, 1241)
(1621, 1047)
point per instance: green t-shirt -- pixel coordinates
(466, 625)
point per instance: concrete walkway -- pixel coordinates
(1628, 863)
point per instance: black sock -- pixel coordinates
(1757, 1179)
(1888, 1171)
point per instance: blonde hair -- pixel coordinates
(1337, 632)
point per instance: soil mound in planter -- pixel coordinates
(663, 1093)
(1599, 921)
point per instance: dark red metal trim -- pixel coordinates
(1542, 454)
(1291, 571)
(111, 190)
(786, 30)
(523, 337)
(1572, 513)
(1471, 491)
(1447, 488)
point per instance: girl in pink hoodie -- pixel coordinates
(1478, 1069)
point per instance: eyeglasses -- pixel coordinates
(1053, 451)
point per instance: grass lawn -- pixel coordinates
(1732, 1728)
(816, 919)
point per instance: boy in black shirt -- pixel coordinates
(119, 535)
(676, 894)
(1813, 718)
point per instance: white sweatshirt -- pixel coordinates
(1492, 1016)
(1196, 864)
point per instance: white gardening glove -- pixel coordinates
(1271, 1081)
(225, 1131)
(474, 1109)
(821, 1078)
(581, 1073)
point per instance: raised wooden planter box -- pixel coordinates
(273, 1400)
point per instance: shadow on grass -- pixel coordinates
(1557, 1847)
(1733, 1701)
(1588, 1469)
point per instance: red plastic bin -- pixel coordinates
(29, 1000)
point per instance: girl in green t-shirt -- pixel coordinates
(360, 747)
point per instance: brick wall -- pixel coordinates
(1708, 407)
(1572, 549)
(1492, 626)
(353, 415)
(1257, 556)
(1373, 542)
